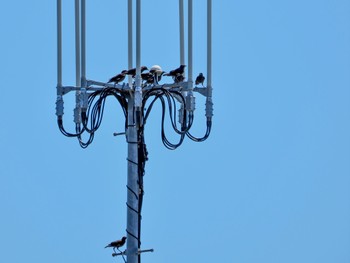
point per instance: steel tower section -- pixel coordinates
(133, 96)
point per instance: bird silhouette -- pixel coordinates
(117, 244)
(148, 77)
(200, 79)
(179, 78)
(132, 71)
(179, 71)
(118, 78)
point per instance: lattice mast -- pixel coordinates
(132, 97)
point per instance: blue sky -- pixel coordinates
(272, 182)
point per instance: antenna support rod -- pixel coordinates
(130, 39)
(59, 43)
(190, 31)
(182, 36)
(83, 41)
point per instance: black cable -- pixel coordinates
(206, 135)
(93, 115)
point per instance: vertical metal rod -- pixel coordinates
(190, 32)
(77, 45)
(138, 43)
(132, 186)
(182, 36)
(83, 42)
(130, 39)
(59, 43)
(209, 40)
(138, 89)
(209, 101)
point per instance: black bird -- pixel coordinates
(179, 71)
(118, 78)
(200, 79)
(117, 244)
(132, 71)
(179, 78)
(148, 77)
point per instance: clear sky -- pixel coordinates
(270, 185)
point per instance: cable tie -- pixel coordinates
(137, 212)
(131, 142)
(132, 161)
(133, 235)
(132, 192)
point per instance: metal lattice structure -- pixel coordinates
(133, 95)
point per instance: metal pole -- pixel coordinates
(209, 38)
(129, 39)
(77, 45)
(77, 109)
(209, 101)
(138, 89)
(132, 186)
(83, 45)
(59, 43)
(138, 40)
(182, 37)
(190, 27)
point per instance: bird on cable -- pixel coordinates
(200, 79)
(117, 244)
(132, 71)
(118, 78)
(179, 71)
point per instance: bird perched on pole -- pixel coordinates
(117, 244)
(177, 74)
(148, 77)
(118, 78)
(179, 78)
(179, 71)
(132, 71)
(200, 79)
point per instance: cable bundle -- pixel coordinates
(91, 118)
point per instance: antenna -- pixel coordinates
(136, 97)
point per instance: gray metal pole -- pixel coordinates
(138, 38)
(77, 109)
(138, 89)
(59, 43)
(209, 101)
(130, 39)
(83, 41)
(132, 186)
(190, 32)
(209, 39)
(77, 45)
(182, 30)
